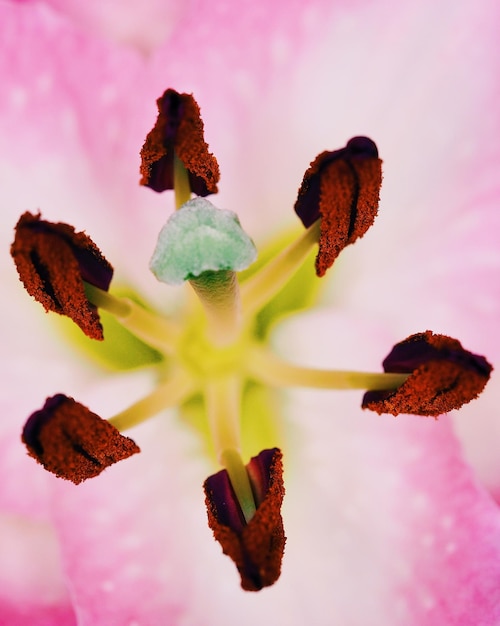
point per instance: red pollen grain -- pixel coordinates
(179, 130)
(256, 548)
(72, 442)
(443, 377)
(53, 261)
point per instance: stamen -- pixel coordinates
(260, 288)
(118, 307)
(256, 547)
(240, 482)
(155, 330)
(341, 187)
(223, 403)
(178, 132)
(266, 367)
(443, 377)
(72, 442)
(169, 394)
(53, 261)
(182, 188)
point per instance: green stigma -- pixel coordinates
(200, 238)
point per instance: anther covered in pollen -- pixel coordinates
(255, 546)
(443, 377)
(53, 261)
(72, 442)
(213, 355)
(178, 135)
(342, 188)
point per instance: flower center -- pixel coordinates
(202, 359)
(218, 349)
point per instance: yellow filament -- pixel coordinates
(223, 398)
(153, 329)
(168, 394)
(182, 188)
(264, 366)
(265, 284)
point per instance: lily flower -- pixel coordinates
(386, 521)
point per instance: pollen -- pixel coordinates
(72, 442)
(342, 188)
(443, 377)
(178, 132)
(257, 547)
(53, 261)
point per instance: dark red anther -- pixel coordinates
(72, 442)
(53, 261)
(257, 547)
(443, 376)
(342, 188)
(178, 130)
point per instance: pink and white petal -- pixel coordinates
(431, 528)
(76, 109)
(386, 521)
(404, 516)
(318, 566)
(457, 565)
(74, 89)
(438, 220)
(33, 367)
(32, 585)
(62, 113)
(432, 258)
(141, 25)
(478, 428)
(61, 87)
(130, 536)
(64, 110)
(146, 25)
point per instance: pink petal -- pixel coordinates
(32, 369)
(32, 587)
(141, 25)
(76, 109)
(60, 85)
(345, 468)
(146, 25)
(432, 258)
(387, 502)
(125, 555)
(405, 533)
